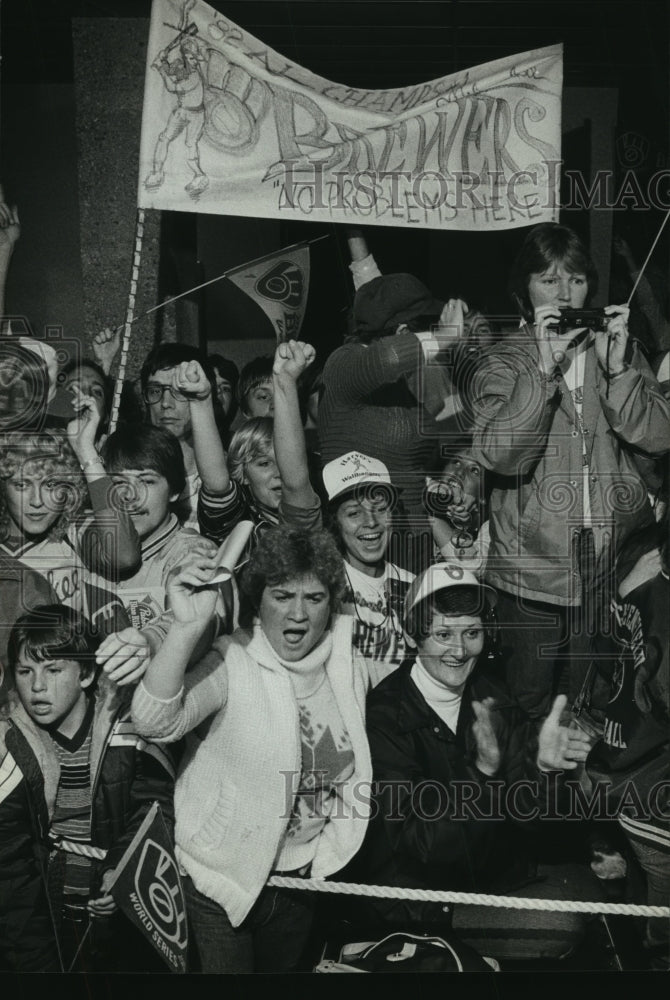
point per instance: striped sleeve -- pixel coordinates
(10, 776)
(218, 513)
(654, 835)
(125, 735)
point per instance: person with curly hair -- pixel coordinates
(276, 752)
(47, 481)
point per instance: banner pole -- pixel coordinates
(130, 314)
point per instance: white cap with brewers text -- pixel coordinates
(440, 576)
(352, 470)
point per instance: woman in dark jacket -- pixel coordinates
(454, 759)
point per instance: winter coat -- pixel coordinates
(526, 434)
(127, 773)
(438, 822)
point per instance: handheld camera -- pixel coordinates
(592, 319)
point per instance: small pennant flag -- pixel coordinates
(279, 284)
(148, 889)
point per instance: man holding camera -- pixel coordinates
(561, 409)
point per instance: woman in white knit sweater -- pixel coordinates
(276, 772)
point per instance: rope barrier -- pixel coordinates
(479, 898)
(83, 850)
(130, 314)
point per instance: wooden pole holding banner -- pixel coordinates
(130, 315)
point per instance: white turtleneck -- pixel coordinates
(443, 700)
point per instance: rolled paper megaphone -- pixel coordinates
(230, 551)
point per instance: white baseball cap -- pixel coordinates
(350, 471)
(441, 576)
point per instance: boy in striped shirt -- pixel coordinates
(85, 768)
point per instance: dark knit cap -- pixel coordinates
(391, 299)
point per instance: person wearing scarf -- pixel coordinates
(276, 751)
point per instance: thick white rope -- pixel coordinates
(479, 898)
(130, 314)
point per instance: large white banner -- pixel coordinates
(231, 127)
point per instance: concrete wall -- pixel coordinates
(109, 61)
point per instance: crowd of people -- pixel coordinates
(403, 622)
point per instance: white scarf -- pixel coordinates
(306, 674)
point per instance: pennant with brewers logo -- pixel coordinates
(148, 889)
(279, 284)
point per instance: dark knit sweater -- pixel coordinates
(367, 406)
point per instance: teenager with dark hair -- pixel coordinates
(560, 412)
(27, 936)
(87, 781)
(152, 448)
(147, 471)
(548, 250)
